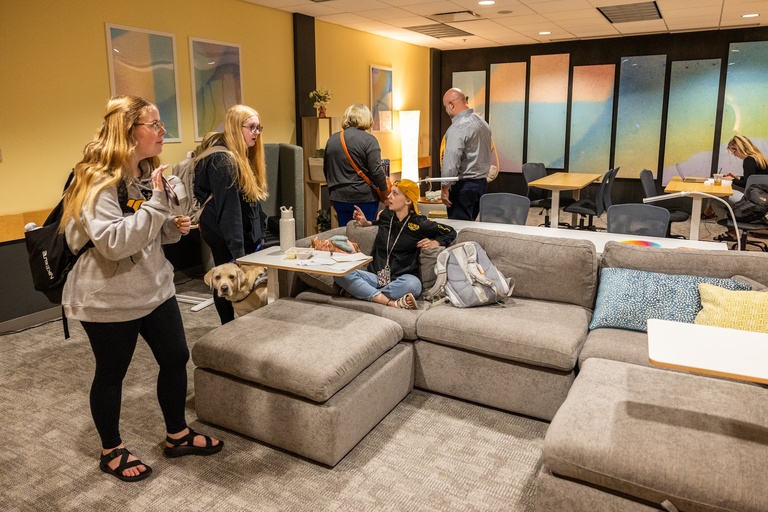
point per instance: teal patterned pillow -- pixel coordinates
(626, 298)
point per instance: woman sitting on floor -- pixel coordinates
(392, 278)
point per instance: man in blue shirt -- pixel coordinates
(467, 155)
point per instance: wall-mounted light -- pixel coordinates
(409, 144)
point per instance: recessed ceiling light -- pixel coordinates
(750, 15)
(486, 2)
(545, 33)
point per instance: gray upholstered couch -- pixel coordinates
(624, 435)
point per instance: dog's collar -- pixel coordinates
(256, 282)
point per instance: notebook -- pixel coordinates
(689, 179)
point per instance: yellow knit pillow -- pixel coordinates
(747, 311)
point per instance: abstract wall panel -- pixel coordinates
(507, 113)
(638, 121)
(691, 115)
(591, 118)
(547, 109)
(473, 85)
(745, 110)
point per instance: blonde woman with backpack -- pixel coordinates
(123, 285)
(233, 183)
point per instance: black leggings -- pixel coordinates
(113, 344)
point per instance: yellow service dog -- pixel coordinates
(245, 287)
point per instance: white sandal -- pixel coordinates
(407, 301)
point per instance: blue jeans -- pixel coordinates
(344, 211)
(361, 284)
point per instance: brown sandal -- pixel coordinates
(407, 301)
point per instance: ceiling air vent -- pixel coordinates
(643, 11)
(453, 17)
(439, 30)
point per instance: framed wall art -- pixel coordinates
(381, 99)
(216, 80)
(143, 63)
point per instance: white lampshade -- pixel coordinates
(409, 144)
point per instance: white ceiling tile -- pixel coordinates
(390, 13)
(641, 27)
(560, 6)
(343, 19)
(581, 14)
(413, 21)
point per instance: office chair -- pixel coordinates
(541, 198)
(638, 219)
(746, 227)
(594, 207)
(504, 207)
(649, 190)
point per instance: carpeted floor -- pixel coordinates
(431, 453)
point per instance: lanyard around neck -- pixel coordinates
(389, 234)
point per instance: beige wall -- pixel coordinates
(344, 57)
(55, 79)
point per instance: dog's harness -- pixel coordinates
(256, 282)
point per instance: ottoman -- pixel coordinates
(309, 378)
(630, 438)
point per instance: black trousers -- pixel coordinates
(113, 345)
(465, 198)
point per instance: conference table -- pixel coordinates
(598, 238)
(558, 181)
(676, 184)
(710, 350)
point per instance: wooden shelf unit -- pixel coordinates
(315, 132)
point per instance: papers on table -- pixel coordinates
(320, 258)
(342, 256)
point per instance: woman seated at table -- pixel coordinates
(392, 278)
(754, 162)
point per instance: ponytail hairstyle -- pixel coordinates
(108, 156)
(249, 162)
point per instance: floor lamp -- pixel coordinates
(700, 194)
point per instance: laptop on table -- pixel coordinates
(689, 179)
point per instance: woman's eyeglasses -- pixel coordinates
(156, 125)
(254, 128)
(172, 197)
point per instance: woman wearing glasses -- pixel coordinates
(122, 286)
(231, 184)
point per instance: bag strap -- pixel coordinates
(354, 165)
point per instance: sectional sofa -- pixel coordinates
(623, 435)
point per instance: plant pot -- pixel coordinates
(316, 169)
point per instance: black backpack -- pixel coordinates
(753, 207)
(50, 258)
